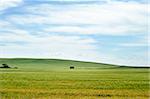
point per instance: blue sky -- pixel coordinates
(107, 31)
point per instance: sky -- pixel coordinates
(105, 31)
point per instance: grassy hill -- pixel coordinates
(50, 64)
(52, 79)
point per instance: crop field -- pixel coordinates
(53, 79)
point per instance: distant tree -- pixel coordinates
(5, 66)
(71, 67)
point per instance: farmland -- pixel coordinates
(53, 79)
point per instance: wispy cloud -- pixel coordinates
(112, 19)
(4, 4)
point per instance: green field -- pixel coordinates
(52, 79)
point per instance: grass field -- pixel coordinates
(52, 79)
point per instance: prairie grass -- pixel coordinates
(52, 79)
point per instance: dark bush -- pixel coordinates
(71, 67)
(4, 66)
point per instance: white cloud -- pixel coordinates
(98, 29)
(65, 47)
(110, 18)
(4, 24)
(4, 4)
